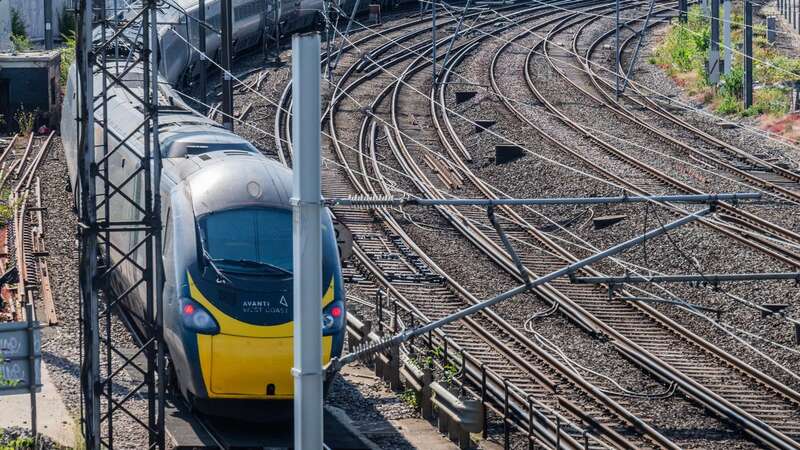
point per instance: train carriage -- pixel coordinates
(226, 233)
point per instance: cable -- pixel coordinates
(498, 136)
(622, 392)
(529, 151)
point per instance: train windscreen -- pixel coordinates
(249, 240)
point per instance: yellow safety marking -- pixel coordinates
(250, 356)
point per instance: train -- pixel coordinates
(226, 217)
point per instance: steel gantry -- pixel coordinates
(115, 54)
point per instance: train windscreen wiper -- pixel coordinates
(256, 264)
(221, 278)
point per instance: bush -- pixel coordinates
(21, 43)
(17, 24)
(19, 36)
(772, 100)
(25, 121)
(67, 56)
(66, 23)
(729, 105)
(732, 84)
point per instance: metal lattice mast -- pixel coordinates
(120, 222)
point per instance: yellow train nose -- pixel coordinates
(251, 367)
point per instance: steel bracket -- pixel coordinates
(509, 248)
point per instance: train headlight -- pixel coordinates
(333, 318)
(197, 318)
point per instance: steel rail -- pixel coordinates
(422, 182)
(527, 63)
(775, 251)
(752, 219)
(355, 181)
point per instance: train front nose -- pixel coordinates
(257, 367)
(240, 359)
(243, 280)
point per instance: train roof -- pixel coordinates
(225, 179)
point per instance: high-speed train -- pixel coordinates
(227, 230)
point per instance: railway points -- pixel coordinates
(488, 165)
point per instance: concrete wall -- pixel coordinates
(5, 26)
(32, 12)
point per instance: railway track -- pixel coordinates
(445, 170)
(652, 178)
(26, 273)
(419, 283)
(620, 319)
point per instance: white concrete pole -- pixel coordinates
(727, 54)
(307, 240)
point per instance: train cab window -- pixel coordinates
(249, 240)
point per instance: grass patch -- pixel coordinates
(67, 56)
(682, 55)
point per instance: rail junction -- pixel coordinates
(479, 153)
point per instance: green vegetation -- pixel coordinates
(409, 396)
(683, 52)
(67, 56)
(19, 36)
(66, 22)
(20, 443)
(17, 24)
(25, 121)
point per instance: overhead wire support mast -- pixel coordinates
(456, 33)
(132, 243)
(226, 51)
(641, 33)
(713, 48)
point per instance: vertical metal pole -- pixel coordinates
(149, 41)
(157, 438)
(455, 36)
(682, 6)
(106, 212)
(32, 365)
(506, 430)
(748, 54)
(307, 250)
(727, 50)
(616, 50)
(713, 48)
(485, 431)
(346, 33)
(433, 44)
(796, 12)
(201, 44)
(90, 369)
(48, 24)
(227, 82)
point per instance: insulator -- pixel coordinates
(365, 202)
